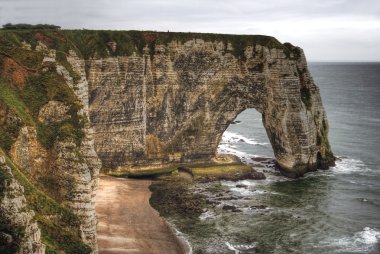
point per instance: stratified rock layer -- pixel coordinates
(19, 232)
(172, 104)
(139, 99)
(69, 168)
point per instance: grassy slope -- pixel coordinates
(58, 224)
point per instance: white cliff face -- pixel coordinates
(19, 231)
(91, 162)
(72, 167)
(173, 104)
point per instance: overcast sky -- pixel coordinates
(328, 30)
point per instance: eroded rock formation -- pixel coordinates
(19, 233)
(70, 169)
(138, 99)
(172, 103)
(54, 144)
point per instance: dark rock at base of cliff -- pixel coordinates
(231, 208)
(173, 197)
(256, 207)
(5, 239)
(251, 175)
(300, 171)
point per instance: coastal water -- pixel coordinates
(334, 211)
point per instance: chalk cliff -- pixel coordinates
(19, 233)
(47, 135)
(137, 99)
(173, 102)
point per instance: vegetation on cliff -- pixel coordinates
(26, 85)
(28, 82)
(59, 226)
(91, 43)
(29, 26)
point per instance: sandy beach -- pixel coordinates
(126, 221)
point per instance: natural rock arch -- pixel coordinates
(172, 104)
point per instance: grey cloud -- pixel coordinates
(326, 29)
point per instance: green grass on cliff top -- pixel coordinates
(95, 43)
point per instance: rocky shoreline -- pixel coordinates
(183, 201)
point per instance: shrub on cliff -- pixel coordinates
(9, 26)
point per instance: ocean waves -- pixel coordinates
(350, 166)
(231, 143)
(232, 138)
(365, 241)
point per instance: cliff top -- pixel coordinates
(90, 43)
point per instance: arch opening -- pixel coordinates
(247, 138)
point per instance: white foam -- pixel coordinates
(207, 215)
(228, 183)
(350, 165)
(231, 137)
(240, 247)
(229, 149)
(247, 182)
(230, 144)
(242, 191)
(183, 237)
(363, 241)
(368, 236)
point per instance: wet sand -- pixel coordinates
(126, 221)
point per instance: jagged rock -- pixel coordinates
(255, 207)
(19, 232)
(53, 111)
(86, 210)
(231, 208)
(254, 175)
(28, 153)
(49, 54)
(70, 169)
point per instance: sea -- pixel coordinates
(333, 211)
